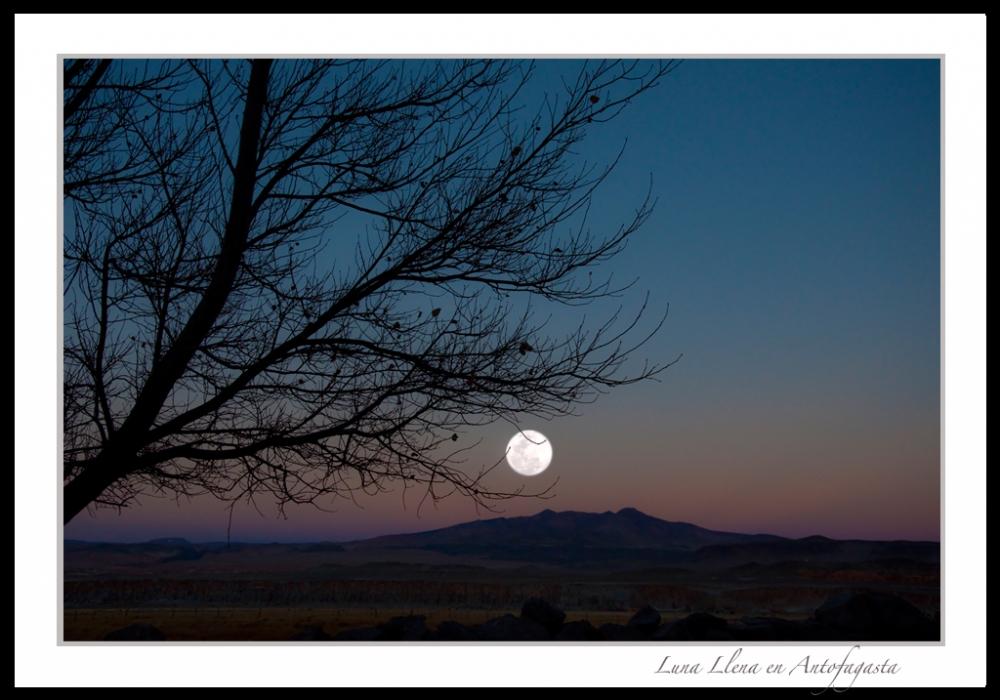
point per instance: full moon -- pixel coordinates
(529, 453)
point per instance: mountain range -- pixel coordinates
(632, 538)
(623, 540)
(566, 537)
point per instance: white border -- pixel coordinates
(39, 39)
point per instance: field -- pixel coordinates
(273, 624)
(601, 572)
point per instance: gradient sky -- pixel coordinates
(796, 239)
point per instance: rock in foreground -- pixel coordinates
(876, 617)
(843, 617)
(136, 633)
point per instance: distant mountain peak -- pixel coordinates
(550, 534)
(169, 540)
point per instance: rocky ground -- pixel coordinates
(842, 617)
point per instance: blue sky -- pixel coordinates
(796, 239)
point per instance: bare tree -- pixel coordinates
(303, 277)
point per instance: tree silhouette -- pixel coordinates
(303, 277)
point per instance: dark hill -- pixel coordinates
(568, 536)
(815, 549)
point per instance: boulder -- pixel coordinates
(620, 633)
(407, 628)
(451, 631)
(847, 613)
(812, 631)
(776, 629)
(696, 627)
(716, 635)
(763, 629)
(876, 617)
(511, 629)
(646, 620)
(897, 620)
(579, 631)
(140, 632)
(311, 634)
(359, 634)
(548, 616)
(672, 632)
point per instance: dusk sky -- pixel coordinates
(797, 241)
